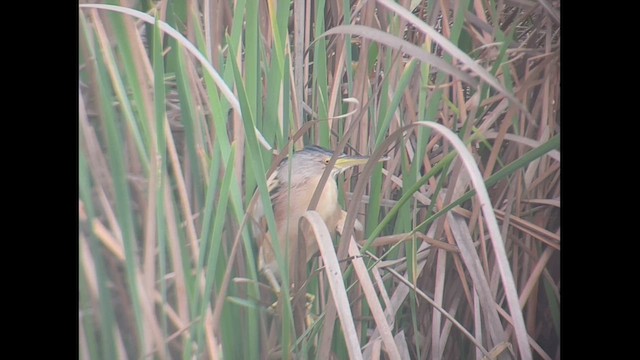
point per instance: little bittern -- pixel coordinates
(291, 193)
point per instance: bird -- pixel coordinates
(291, 187)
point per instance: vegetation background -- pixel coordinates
(178, 118)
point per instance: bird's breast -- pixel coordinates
(328, 206)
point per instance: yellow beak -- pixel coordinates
(346, 162)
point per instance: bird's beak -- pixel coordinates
(343, 163)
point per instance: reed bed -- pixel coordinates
(186, 106)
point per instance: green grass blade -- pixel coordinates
(161, 168)
(123, 200)
(259, 172)
(107, 316)
(215, 240)
(320, 76)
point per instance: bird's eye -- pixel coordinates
(326, 161)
